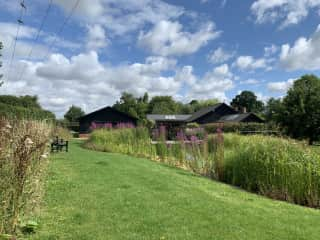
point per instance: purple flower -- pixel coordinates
(193, 139)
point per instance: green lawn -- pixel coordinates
(100, 196)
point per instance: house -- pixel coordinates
(107, 115)
(219, 113)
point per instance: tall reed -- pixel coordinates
(23, 146)
(280, 168)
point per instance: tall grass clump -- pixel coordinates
(132, 141)
(279, 168)
(23, 147)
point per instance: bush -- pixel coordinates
(241, 127)
(23, 158)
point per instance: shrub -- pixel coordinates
(23, 158)
(241, 127)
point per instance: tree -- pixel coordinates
(197, 105)
(274, 110)
(248, 100)
(136, 107)
(73, 114)
(1, 47)
(163, 105)
(127, 104)
(301, 115)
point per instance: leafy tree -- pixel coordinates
(163, 105)
(248, 100)
(127, 104)
(136, 107)
(274, 110)
(301, 115)
(73, 114)
(1, 47)
(197, 105)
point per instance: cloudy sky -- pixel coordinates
(188, 49)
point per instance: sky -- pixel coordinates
(195, 49)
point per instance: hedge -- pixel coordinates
(241, 127)
(15, 112)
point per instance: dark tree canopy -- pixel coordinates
(73, 114)
(274, 110)
(301, 109)
(248, 100)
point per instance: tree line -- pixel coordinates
(297, 113)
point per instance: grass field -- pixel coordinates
(99, 196)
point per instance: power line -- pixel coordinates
(37, 36)
(66, 20)
(20, 22)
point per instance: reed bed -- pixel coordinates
(23, 159)
(278, 168)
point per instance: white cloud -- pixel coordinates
(25, 42)
(214, 84)
(96, 37)
(168, 38)
(250, 81)
(280, 86)
(270, 50)
(220, 56)
(251, 63)
(288, 11)
(123, 16)
(83, 80)
(303, 55)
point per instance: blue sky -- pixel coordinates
(188, 49)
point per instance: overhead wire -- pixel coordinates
(37, 36)
(66, 20)
(20, 22)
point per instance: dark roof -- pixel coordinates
(237, 117)
(204, 111)
(108, 108)
(168, 117)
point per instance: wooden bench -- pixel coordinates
(58, 144)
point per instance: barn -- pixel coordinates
(218, 113)
(107, 115)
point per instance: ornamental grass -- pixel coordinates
(23, 160)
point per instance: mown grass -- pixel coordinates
(95, 195)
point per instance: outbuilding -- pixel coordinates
(107, 115)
